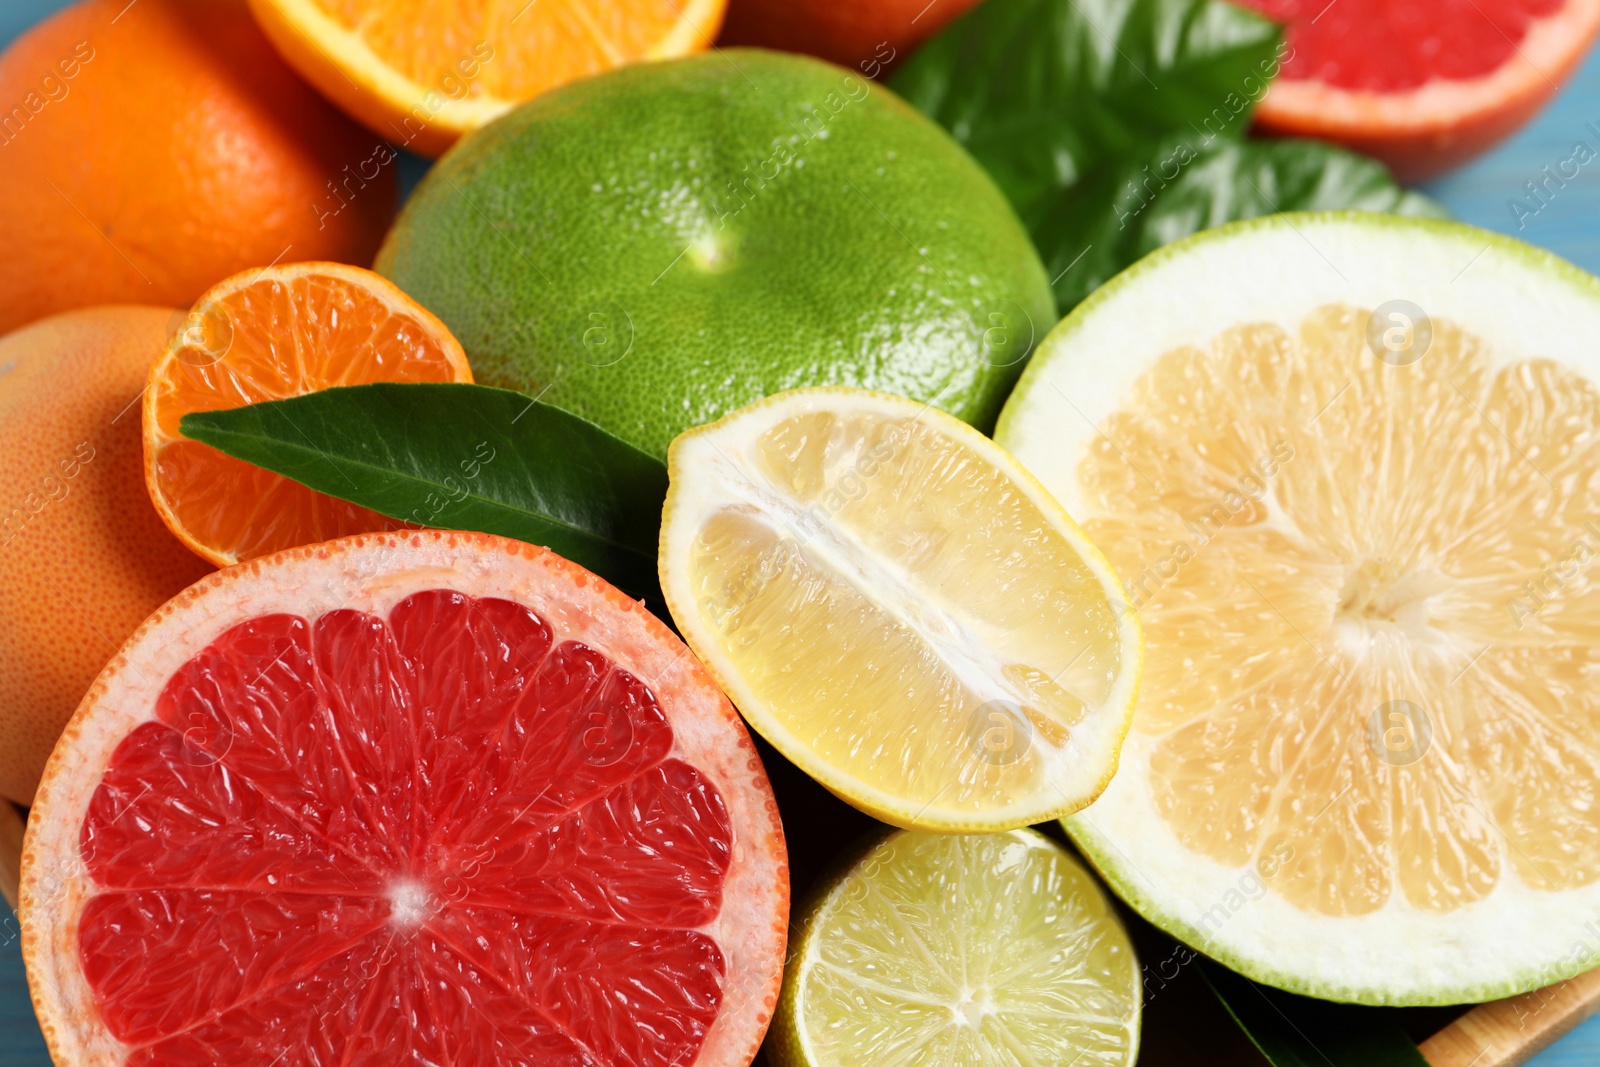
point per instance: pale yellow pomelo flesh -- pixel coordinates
(1348, 472)
(899, 608)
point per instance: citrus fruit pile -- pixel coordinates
(1271, 593)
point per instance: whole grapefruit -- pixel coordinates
(83, 555)
(658, 246)
(148, 150)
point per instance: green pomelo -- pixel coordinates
(660, 245)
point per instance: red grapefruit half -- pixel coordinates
(434, 798)
(1423, 85)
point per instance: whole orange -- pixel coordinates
(148, 150)
(865, 35)
(84, 557)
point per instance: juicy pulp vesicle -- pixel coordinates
(439, 836)
(986, 950)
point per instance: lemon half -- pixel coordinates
(899, 608)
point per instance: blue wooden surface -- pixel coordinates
(1566, 221)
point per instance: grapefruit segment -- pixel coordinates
(460, 803)
(1422, 85)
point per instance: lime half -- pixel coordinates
(959, 951)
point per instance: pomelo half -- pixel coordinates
(1348, 471)
(1423, 85)
(433, 798)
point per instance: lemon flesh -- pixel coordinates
(1359, 534)
(895, 605)
(960, 951)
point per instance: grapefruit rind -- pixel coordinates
(691, 496)
(1541, 58)
(1518, 299)
(373, 573)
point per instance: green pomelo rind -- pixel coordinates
(670, 241)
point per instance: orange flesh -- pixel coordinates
(1370, 598)
(293, 331)
(511, 50)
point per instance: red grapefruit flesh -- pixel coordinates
(1423, 85)
(437, 798)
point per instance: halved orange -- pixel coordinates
(267, 335)
(421, 73)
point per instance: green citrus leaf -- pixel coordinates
(463, 457)
(1046, 92)
(1295, 1031)
(1116, 126)
(1129, 210)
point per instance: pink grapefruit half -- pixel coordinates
(1423, 85)
(432, 798)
